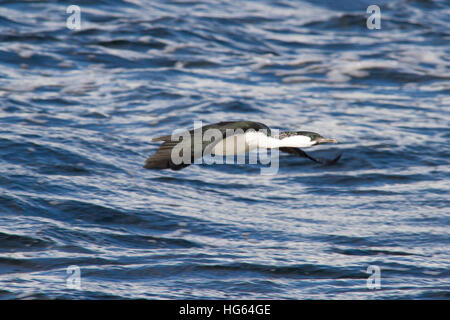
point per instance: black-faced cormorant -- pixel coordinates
(231, 138)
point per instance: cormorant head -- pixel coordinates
(316, 138)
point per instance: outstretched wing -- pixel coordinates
(162, 159)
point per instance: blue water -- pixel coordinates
(78, 109)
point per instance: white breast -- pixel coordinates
(243, 143)
(260, 140)
(232, 145)
(296, 141)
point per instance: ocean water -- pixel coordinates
(78, 109)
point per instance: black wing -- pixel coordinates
(162, 159)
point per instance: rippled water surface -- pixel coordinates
(78, 110)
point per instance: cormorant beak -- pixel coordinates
(325, 140)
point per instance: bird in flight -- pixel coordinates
(231, 138)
